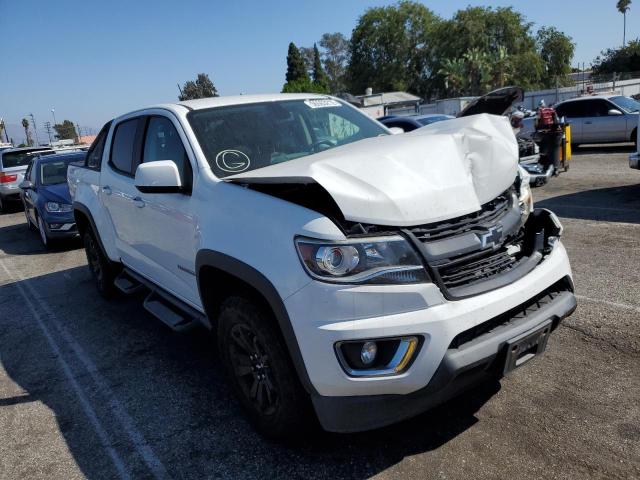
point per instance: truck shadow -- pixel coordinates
(613, 204)
(171, 388)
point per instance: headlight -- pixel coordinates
(525, 196)
(55, 207)
(380, 260)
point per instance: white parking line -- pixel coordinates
(623, 306)
(139, 443)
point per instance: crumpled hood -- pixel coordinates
(441, 171)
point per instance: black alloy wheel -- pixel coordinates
(259, 369)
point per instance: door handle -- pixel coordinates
(106, 189)
(138, 202)
(588, 123)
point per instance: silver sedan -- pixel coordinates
(601, 119)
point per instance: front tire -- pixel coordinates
(260, 370)
(29, 222)
(100, 267)
(44, 238)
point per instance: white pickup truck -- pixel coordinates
(344, 270)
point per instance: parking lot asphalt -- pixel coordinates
(97, 389)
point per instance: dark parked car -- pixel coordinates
(412, 122)
(45, 196)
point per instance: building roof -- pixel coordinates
(388, 98)
(87, 139)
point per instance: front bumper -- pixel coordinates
(634, 160)
(462, 367)
(60, 225)
(323, 314)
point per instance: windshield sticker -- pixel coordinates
(322, 103)
(233, 161)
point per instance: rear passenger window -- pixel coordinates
(162, 142)
(94, 155)
(571, 110)
(122, 148)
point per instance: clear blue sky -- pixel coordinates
(92, 60)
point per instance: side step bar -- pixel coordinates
(172, 311)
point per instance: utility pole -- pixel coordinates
(179, 89)
(47, 127)
(79, 134)
(4, 127)
(35, 129)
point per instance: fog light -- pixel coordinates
(368, 352)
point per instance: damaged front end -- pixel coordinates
(465, 256)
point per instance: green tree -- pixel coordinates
(296, 68)
(202, 87)
(391, 48)
(623, 7)
(318, 74)
(500, 68)
(556, 50)
(65, 130)
(307, 56)
(303, 85)
(501, 33)
(27, 133)
(335, 57)
(454, 72)
(625, 59)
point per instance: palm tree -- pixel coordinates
(25, 125)
(623, 6)
(454, 72)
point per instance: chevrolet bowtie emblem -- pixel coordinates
(491, 237)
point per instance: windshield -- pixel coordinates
(52, 173)
(627, 104)
(430, 120)
(240, 138)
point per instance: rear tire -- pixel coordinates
(260, 370)
(1, 205)
(100, 267)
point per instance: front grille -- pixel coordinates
(468, 272)
(518, 313)
(457, 258)
(489, 213)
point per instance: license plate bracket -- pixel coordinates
(526, 346)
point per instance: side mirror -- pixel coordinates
(614, 111)
(396, 130)
(158, 177)
(26, 185)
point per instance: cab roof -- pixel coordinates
(203, 103)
